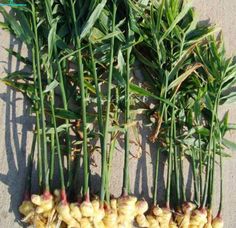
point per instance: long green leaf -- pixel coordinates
(181, 15)
(142, 92)
(92, 19)
(229, 144)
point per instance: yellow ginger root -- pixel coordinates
(46, 214)
(131, 199)
(165, 218)
(52, 218)
(75, 211)
(153, 223)
(208, 225)
(110, 219)
(209, 220)
(57, 195)
(44, 203)
(26, 207)
(63, 211)
(198, 218)
(126, 224)
(98, 213)
(28, 210)
(86, 209)
(173, 224)
(188, 207)
(38, 222)
(99, 224)
(179, 217)
(85, 223)
(52, 225)
(127, 201)
(141, 207)
(95, 204)
(183, 220)
(126, 209)
(217, 222)
(141, 220)
(113, 204)
(157, 211)
(36, 199)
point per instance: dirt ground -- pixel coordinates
(16, 126)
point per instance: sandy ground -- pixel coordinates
(16, 125)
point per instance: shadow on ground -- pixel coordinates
(18, 124)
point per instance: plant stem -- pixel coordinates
(176, 166)
(200, 166)
(156, 176)
(221, 176)
(52, 105)
(30, 166)
(58, 146)
(52, 158)
(127, 119)
(211, 180)
(182, 179)
(63, 94)
(169, 177)
(107, 117)
(99, 102)
(38, 131)
(208, 165)
(83, 102)
(111, 150)
(207, 179)
(171, 134)
(109, 166)
(195, 179)
(65, 106)
(43, 119)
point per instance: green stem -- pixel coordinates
(158, 153)
(109, 166)
(83, 102)
(221, 176)
(111, 151)
(195, 179)
(200, 166)
(36, 104)
(107, 117)
(99, 102)
(211, 180)
(52, 105)
(58, 145)
(171, 134)
(63, 94)
(208, 171)
(169, 178)
(52, 158)
(30, 165)
(43, 118)
(65, 106)
(182, 179)
(127, 119)
(156, 176)
(176, 166)
(207, 179)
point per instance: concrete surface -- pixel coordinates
(16, 126)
